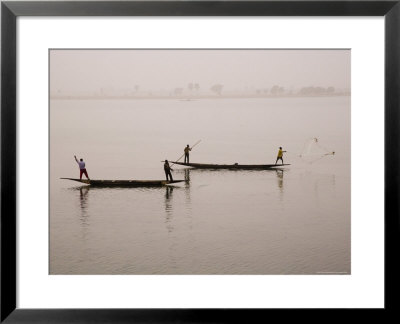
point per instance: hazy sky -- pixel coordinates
(87, 70)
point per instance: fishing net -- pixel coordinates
(313, 151)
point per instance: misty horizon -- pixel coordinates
(122, 72)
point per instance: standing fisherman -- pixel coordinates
(280, 155)
(186, 150)
(167, 170)
(82, 168)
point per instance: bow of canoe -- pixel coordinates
(124, 183)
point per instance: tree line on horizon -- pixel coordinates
(194, 89)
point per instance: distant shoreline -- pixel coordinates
(186, 98)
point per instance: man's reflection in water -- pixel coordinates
(171, 241)
(279, 174)
(168, 193)
(84, 218)
(84, 190)
(188, 202)
(168, 208)
(187, 187)
(187, 177)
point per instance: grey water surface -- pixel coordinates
(290, 221)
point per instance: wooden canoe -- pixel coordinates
(124, 183)
(235, 166)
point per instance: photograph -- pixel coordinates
(196, 161)
(199, 161)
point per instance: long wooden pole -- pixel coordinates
(184, 153)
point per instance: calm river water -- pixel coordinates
(291, 221)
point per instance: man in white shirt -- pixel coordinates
(82, 168)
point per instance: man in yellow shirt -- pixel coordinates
(280, 155)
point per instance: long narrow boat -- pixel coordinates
(235, 166)
(125, 183)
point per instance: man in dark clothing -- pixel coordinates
(167, 170)
(186, 150)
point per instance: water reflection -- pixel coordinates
(279, 174)
(84, 211)
(84, 190)
(226, 171)
(82, 193)
(168, 208)
(188, 201)
(83, 203)
(182, 200)
(187, 188)
(187, 177)
(169, 223)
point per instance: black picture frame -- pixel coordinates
(11, 10)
